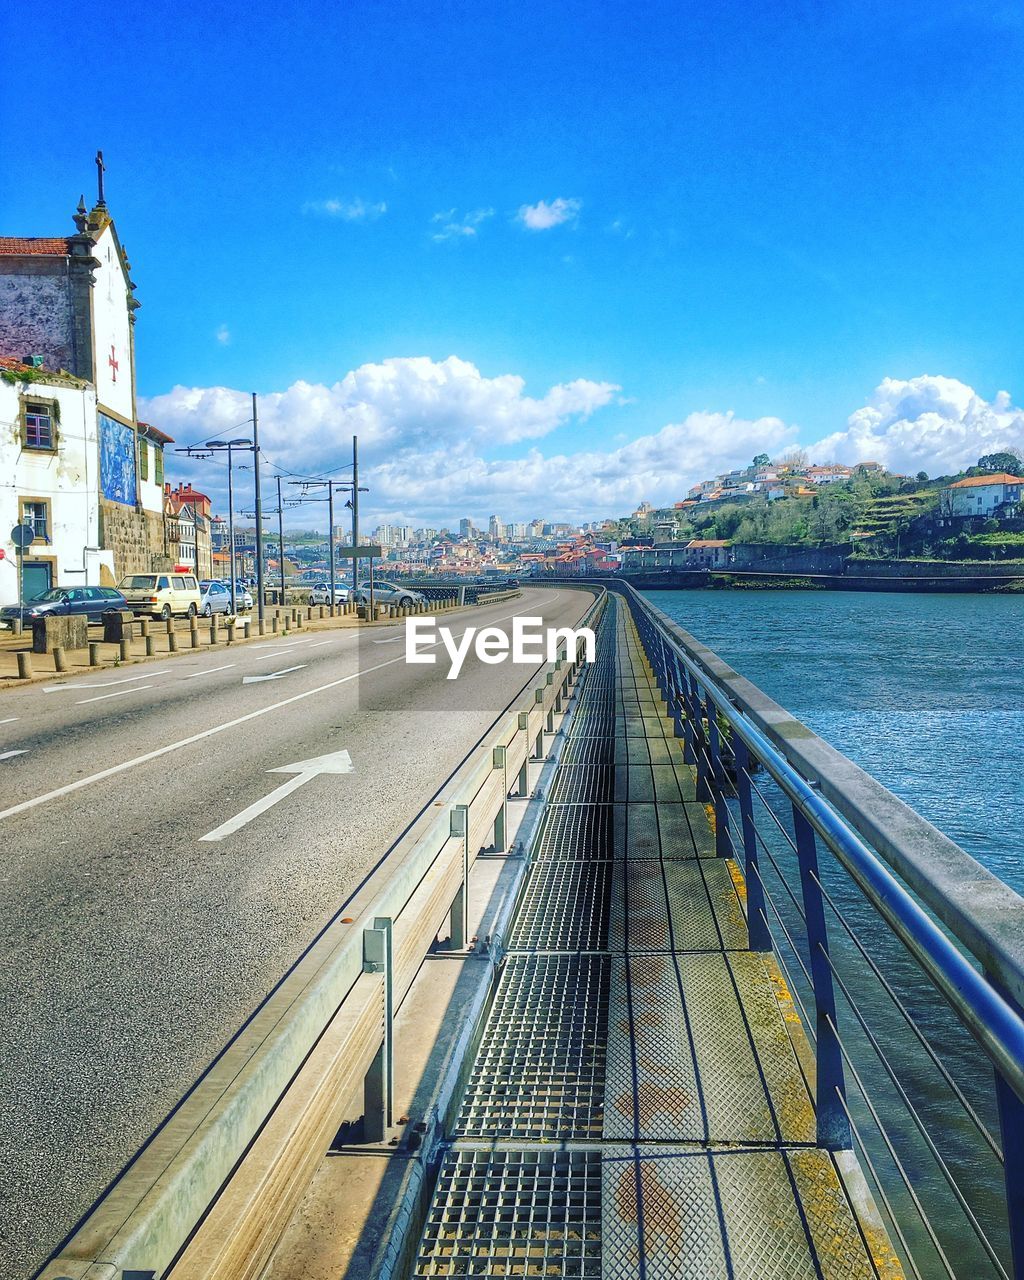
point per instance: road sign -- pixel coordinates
(23, 535)
(353, 553)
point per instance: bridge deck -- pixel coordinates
(639, 1103)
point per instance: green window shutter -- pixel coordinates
(143, 460)
(158, 465)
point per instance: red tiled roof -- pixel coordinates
(34, 244)
(154, 433)
(998, 477)
(708, 542)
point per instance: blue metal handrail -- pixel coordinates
(984, 1002)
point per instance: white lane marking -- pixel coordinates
(104, 684)
(70, 787)
(209, 671)
(274, 675)
(103, 696)
(320, 643)
(8, 755)
(9, 720)
(278, 653)
(336, 762)
(394, 640)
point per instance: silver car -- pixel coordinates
(385, 592)
(320, 593)
(216, 597)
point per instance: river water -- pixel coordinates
(926, 693)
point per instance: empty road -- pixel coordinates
(133, 948)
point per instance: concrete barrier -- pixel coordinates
(70, 632)
(273, 1095)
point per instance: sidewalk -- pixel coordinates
(159, 644)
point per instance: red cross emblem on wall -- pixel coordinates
(112, 361)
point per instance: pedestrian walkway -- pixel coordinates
(639, 1105)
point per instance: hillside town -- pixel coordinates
(89, 480)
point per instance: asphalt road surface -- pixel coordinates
(132, 949)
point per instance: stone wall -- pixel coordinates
(135, 536)
(36, 317)
(935, 568)
(761, 557)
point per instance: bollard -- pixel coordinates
(150, 650)
(60, 661)
(273, 624)
(231, 633)
(172, 642)
(94, 654)
(262, 627)
(144, 627)
(323, 613)
(24, 666)
(170, 626)
(16, 627)
(194, 636)
(309, 613)
(124, 650)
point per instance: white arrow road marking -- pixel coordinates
(9, 720)
(103, 696)
(102, 684)
(7, 755)
(274, 675)
(209, 671)
(336, 762)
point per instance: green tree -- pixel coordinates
(1003, 460)
(762, 460)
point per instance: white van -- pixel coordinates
(161, 595)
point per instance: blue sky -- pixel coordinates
(767, 213)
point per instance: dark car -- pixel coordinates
(58, 601)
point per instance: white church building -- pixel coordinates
(74, 463)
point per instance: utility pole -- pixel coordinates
(259, 509)
(330, 536)
(355, 513)
(280, 536)
(231, 533)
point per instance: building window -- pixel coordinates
(36, 514)
(38, 420)
(143, 460)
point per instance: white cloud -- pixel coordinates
(223, 335)
(355, 210)
(542, 216)
(929, 423)
(451, 227)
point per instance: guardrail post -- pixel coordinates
(549, 679)
(700, 743)
(459, 928)
(379, 1081)
(758, 933)
(832, 1123)
(723, 840)
(523, 784)
(538, 751)
(498, 758)
(1011, 1126)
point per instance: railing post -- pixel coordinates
(833, 1125)
(700, 743)
(379, 1081)
(1011, 1126)
(758, 933)
(723, 839)
(689, 719)
(523, 785)
(498, 758)
(459, 928)
(676, 698)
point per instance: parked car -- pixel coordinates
(216, 597)
(243, 596)
(320, 593)
(161, 595)
(385, 592)
(58, 601)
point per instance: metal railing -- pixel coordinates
(871, 913)
(212, 1189)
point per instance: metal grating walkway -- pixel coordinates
(632, 1027)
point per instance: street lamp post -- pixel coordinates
(259, 509)
(231, 445)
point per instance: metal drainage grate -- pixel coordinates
(565, 908)
(583, 784)
(540, 1069)
(593, 721)
(509, 1214)
(589, 751)
(571, 832)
